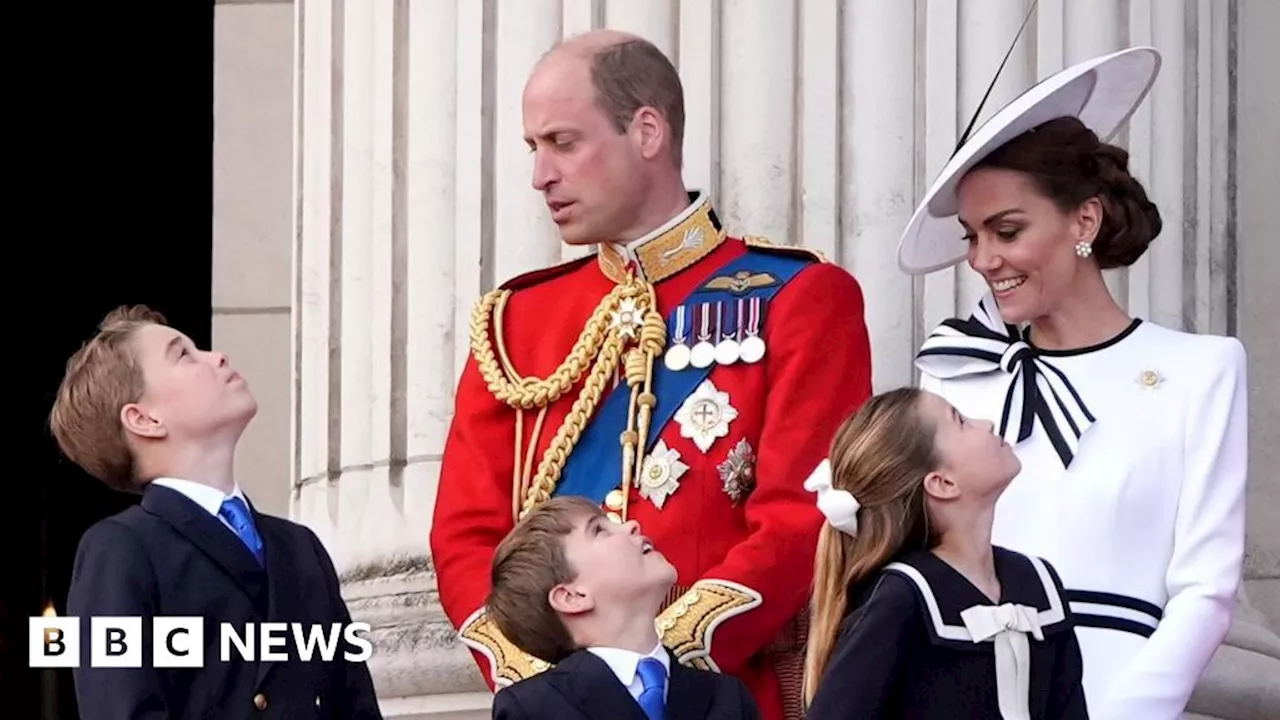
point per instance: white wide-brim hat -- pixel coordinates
(1103, 93)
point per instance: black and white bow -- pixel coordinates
(984, 344)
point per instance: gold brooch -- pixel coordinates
(1150, 379)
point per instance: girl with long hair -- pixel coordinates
(915, 614)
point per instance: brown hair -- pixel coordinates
(528, 563)
(633, 74)
(101, 378)
(1069, 165)
(880, 455)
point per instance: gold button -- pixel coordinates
(615, 517)
(613, 500)
(260, 701)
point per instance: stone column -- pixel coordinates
(252, 126)
(817, 122)
(877, 198)
(378, 188)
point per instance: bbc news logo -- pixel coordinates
(178, 642)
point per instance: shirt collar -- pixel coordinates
(623, 663)
(209, 498)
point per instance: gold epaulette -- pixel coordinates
(767, 245)
(508, 663)
(687, 625)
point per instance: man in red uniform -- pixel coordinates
(680, 377)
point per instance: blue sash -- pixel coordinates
(594, 468)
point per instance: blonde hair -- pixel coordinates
(101, 378)
(880, 455)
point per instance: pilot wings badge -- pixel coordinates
(740, 282)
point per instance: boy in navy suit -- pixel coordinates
(581, 591)
(144, 410)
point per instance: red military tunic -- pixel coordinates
(734, 518)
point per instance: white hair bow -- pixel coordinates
(839, 506)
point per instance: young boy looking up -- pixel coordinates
(582, 592)
(144, 410)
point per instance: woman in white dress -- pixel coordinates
(1132, 436)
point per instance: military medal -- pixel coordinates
(727, 347)
(705, 415)
(677, 356)
(660, 474)
(738, 472)
(753, 346)
(704, 353)
(627, 319)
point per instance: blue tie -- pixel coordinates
(237, 514)
(653, 677)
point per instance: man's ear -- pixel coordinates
(651, 132)
(137, 421)
(940, 487)
(569, 599)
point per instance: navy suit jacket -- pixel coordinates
(582, 687)
(170, 557)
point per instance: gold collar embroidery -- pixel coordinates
(681, 242)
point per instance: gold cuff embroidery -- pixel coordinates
(687, 625)
(508, 664)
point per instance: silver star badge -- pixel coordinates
(705, 415)
(738, 471)
(660, 474)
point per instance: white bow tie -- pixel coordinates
(1007, 625)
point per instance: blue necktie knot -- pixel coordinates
(237, 514)
(653, 678)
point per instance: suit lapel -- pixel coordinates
(282, 585)
(587, 682)
(689, 692)
(206, 532)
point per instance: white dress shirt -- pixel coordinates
(209, 498)
(624, 663)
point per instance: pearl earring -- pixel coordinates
(1084, 249)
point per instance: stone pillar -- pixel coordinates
(817, 122)
(1258, 155)
(378, 189)
(878, 104)
(252, 126)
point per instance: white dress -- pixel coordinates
(1133, 488)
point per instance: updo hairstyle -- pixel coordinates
(1068, 164)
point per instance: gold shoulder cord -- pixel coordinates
(625, 327)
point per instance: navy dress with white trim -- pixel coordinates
(923, 643)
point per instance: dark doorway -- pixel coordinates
(111, 166)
